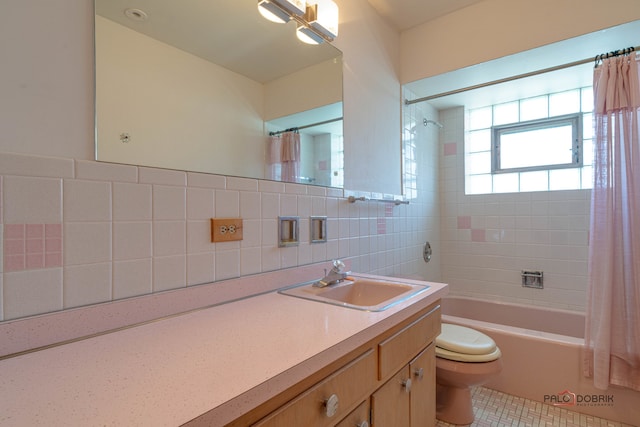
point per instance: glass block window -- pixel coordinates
(544, 143)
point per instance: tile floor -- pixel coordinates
(496, 409)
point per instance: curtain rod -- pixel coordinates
(295, 129)
(516, 77)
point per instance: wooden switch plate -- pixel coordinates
(226, 229)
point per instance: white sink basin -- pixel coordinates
(358, 293)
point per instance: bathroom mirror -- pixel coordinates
(197, 85)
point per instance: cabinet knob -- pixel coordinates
(331, 405)
(406, 384)
(363, 424)
(419, 373)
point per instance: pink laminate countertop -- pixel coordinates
(225, 359)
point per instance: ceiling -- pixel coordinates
(404, 14)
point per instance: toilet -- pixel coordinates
(464, 358)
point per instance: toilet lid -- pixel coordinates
(460, 357)
(463, 340)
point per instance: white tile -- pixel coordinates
(131, 240)
(131, 278)
(87, 284)
(199, 237)
(32, 200)
(288, 205)
(250, 205)
(27, 165)
(200, 203)
(87, 243)
(205, 180)
(87, 200)
(132, 202)
(270, 186)
(290, 188)
(86, 169)
(243, 184)
(288, 257)
(200, 268)
(251, 233)
(227, 264)
(169, 203)
(169, 272)
(169, 238)
(319, 206)
(305, 255)
(162, 176)
(250, 260)
(227, 203)
(270, 258)
(26, 293)
(270, 205)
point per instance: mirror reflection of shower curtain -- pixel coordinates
(290, 156)
(274, 154)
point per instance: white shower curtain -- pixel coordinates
(290, 156)
(612, 335)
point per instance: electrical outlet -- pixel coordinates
(226, 229)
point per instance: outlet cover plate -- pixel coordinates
(226, 229)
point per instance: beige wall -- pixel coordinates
(495, 28)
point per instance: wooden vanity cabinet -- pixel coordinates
(391, 383)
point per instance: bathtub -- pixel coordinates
(542, 354)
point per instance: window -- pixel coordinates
(536, 145)
(542, 143)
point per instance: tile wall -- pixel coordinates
(488, 239)
(78, 232)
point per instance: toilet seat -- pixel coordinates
(464, 344)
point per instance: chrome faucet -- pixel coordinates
(335, 275)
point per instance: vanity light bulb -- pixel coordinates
(307, 36)
(272, 13)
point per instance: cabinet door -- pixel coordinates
(358, 417)
(423, 389)
(390, 405)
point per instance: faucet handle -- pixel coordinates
(338, 266)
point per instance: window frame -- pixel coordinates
(574, 119)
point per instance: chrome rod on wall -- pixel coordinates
(353, 199)
(506, 79)
(305, 126)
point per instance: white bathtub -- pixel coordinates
(542, 354)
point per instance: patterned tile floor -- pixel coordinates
(496, 409)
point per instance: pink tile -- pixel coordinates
(450, 149)
(14, 247)
(35, 246)
(35, 231)
(13, 262)
(35, 261)
(53, 245)
(53, 260)
(478, 235)
(53, 231)
(14, 231)
(464, 222)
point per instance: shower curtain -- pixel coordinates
(273, 166)
(290, 156)
(612, 335)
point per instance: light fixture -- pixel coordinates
(317, 20)
(281, 11)
(323, 17)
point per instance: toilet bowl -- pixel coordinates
(464, 358)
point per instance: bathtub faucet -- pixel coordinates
(336, 275)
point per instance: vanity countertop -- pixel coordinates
(226, 359)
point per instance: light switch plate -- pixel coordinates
(226, 229)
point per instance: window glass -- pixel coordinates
(478, 184)
(480, 118)
(506, 183)
(536, 147)
(534, 108)
(505, 113)
(479, 140)
(534, 181)
(564, 103)
(478, 163)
